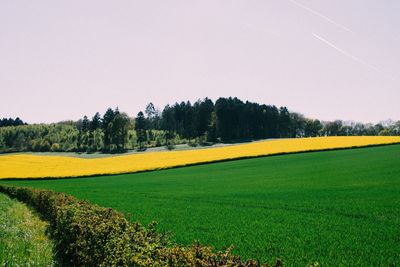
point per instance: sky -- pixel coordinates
(331, 59)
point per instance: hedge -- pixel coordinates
(89, 235)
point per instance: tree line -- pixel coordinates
(203, 122)
(11, 122)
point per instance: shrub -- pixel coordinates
(55, 147)
(89, 235)
(170, 146)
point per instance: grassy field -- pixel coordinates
(22, 236)
(336, 207)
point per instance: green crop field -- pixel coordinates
(336, 207)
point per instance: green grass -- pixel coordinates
(22, 236)
(335, 207)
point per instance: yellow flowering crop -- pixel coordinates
(32, 166)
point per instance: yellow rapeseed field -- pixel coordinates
(32, 166)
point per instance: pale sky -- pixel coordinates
(336, 59)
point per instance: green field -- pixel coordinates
(336, 207)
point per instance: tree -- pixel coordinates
(3, 146)
(11, 122)
(150, 111)
(168, 123)
(297, 125)
(211, 133)
(333, 128)
(140, 128)
(153, 117)
(284, 122)
(270, 121)
(203, 110)
(85, 124)
(312, 128)
(18, 122)
(395, 128)
(97, 140)
(106, 121)
(229, 118)
(118, 130)
(189, 126)
(359, 129)
(96, 122)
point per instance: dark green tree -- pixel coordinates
(284, 122)
(203, 112)
(297, 125)
(85, 124)
(118, 132)
(106, 121)
(140, 128)
(96, 122)
(189, 122)
(312, 128)
(168, 124)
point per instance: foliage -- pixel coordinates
(340, 208)
(11, 122)
(118, 132)
(141, 129)
(115, 126)
(89, 235)
(227, 120)
(39, 137)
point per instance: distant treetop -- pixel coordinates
(11, 122)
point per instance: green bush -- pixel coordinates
(89, 235)
(55, 147)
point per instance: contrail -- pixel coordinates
(344, 52)
(320, 15)
(347, 54)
